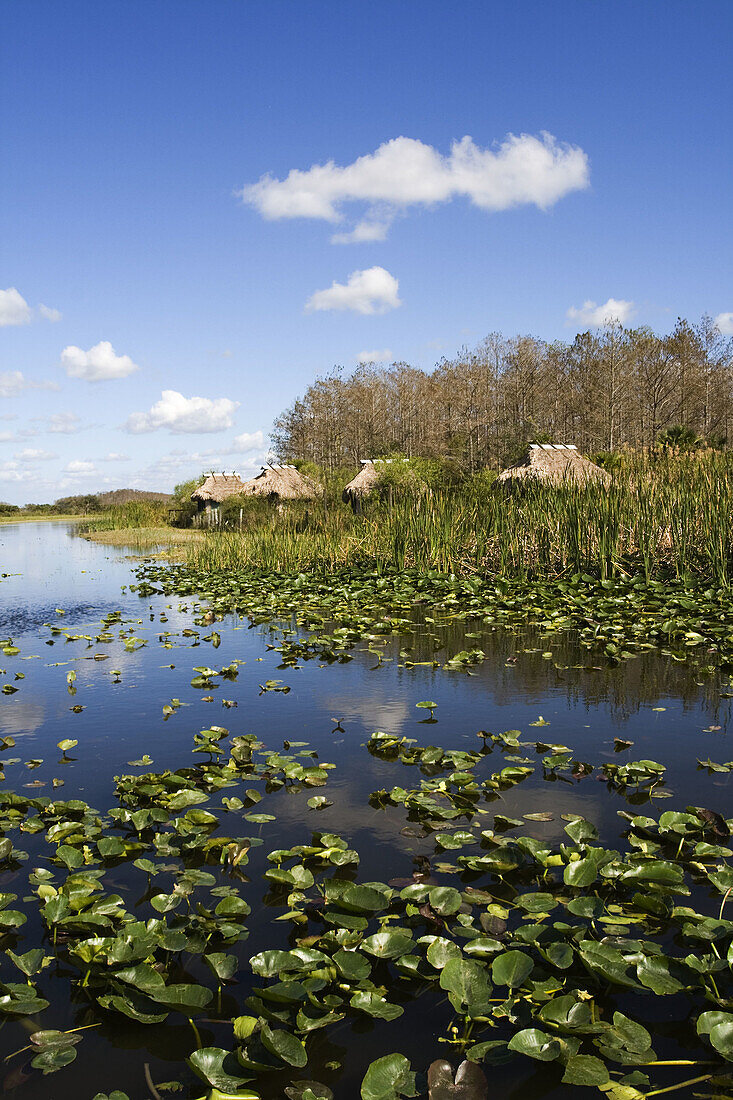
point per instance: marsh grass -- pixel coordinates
(136, 513)
(43, 517)
(664, 516)
(145, 538)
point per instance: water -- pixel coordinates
(672, 712)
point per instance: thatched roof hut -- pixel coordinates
(282, 482)
(553, 464)
(363, 484)
(216, 488)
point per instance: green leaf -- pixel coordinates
(467, 984)
(655, 870)
(48, 1061)
(559, 954)
(511, 968)
(628, 1033)
(223, 966)
(584, 1069)
(536, 903)
(445, 900)
(31, 962)
(308, 1090)
(362, 899)
(582, 872)
(208, 1064)
(535, 1044)
(351, 965)
(388, 1078)
(375, 1005)
(130, 1007)
(653, 972)
(388, 945)
(244, 1026)
(163, 903)
(288, 1048)
(718, 1026)
(608, 962)
(186, 998)
(442, 951)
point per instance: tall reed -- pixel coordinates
(135, 513)
(662, 516)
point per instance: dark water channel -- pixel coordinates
(672, 712)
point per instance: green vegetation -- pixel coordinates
(84, 505)
(665, 516)
(538, 948)
(530, 949)
(610, 388)
(563, 948)
(169, 539)
(42, 517)
(135, 513)
(118, 502)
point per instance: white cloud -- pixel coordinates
(179, 465)
(367, 230)
(79, 466)
(179, 414)
(65, 423)
(14, 310)
(590, 313)
(247, 441)
(724, 323)
(114, 457)
(34, 454)
(9, 471)
(383, 356)
(13, 382)
(370, 291)
(97, 364)
(406, 172)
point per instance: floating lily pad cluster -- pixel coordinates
(619, 617)
(532, 947)
(556, 951)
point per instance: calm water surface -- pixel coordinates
(672, 712)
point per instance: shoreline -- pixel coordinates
(168, 542)
(5, 520)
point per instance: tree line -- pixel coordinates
(606, 389)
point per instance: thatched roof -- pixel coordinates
(217, 487)
(554, 464)
(364, 482)
(283, 482)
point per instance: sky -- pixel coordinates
(205, 206)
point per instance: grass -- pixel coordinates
(669, 517)
(135, 513)
(145, 538)
(141, 525)
(44, 518)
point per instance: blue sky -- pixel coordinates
(132, 131)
